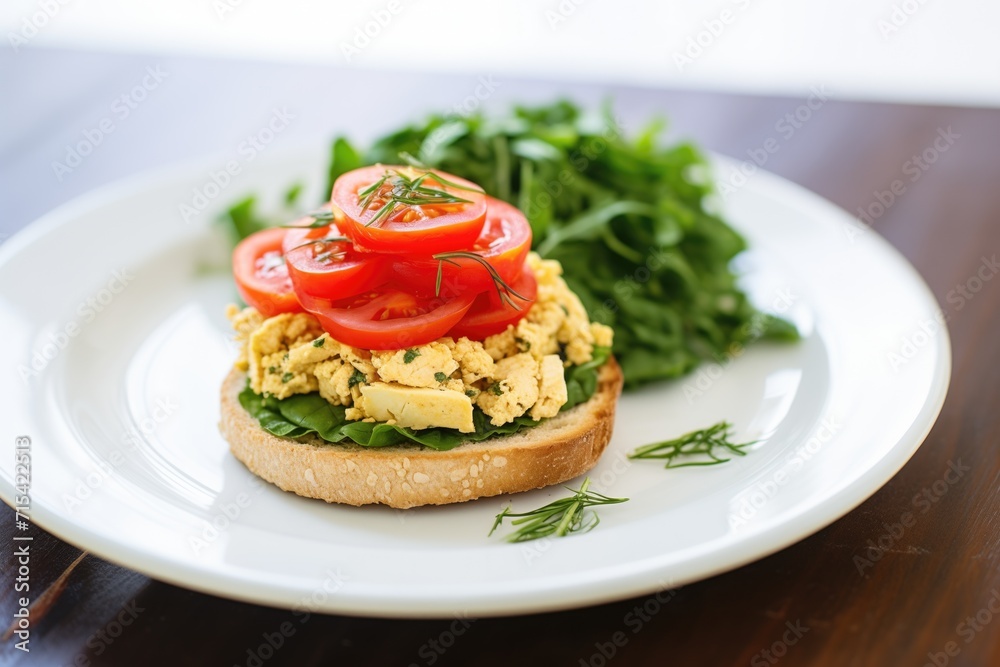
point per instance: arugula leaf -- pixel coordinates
(311, 414)
(343, 158)
(581, 381)
(243, 219)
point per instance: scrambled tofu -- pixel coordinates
(514, 389)
(421, 366)
(269, 348)
(416, 407)
(517, 372)
(551, 388)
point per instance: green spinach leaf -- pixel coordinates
(311, 414)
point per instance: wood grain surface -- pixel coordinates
(932, 597)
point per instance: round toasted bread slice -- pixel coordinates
(556, 450)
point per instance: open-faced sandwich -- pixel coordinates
(403, 346)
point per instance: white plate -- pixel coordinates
(836, 415)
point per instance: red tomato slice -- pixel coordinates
(323, 263)
(262, 275)
(405, 209)
(504, 243)
(390, 319)
(490, 314)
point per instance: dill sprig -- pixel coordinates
(417, 164)
(396, 189)
(704, 441)
(504, 290)
(559, 518)
(321, 218)
(328, 239)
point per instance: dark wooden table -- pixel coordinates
(932, 598)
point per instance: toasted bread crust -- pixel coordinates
(405, 476)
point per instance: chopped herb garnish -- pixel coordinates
(410, 355)
(287, 376)
(321, 218)
(523, 344)
(327, 257)
(319, 342)
(496, 389)
(440, 377)
(273, 370)
(322, 215)
(703, 442)
(322, 243)
(471, 393)
(396, 190)
(357, 377)
(504, 290)
(558, 518)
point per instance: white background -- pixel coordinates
(929, 51)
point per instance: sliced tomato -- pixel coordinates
(261, 273)
(490, 314)
(323, 263)
(404, 209)
(390, 319)
(502, 247)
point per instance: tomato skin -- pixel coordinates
(489, 315)
(440, 227)
(504, 242)
(262, 276)
(346, 272)
(390, 319)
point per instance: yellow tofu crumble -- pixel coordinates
(516, 372)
